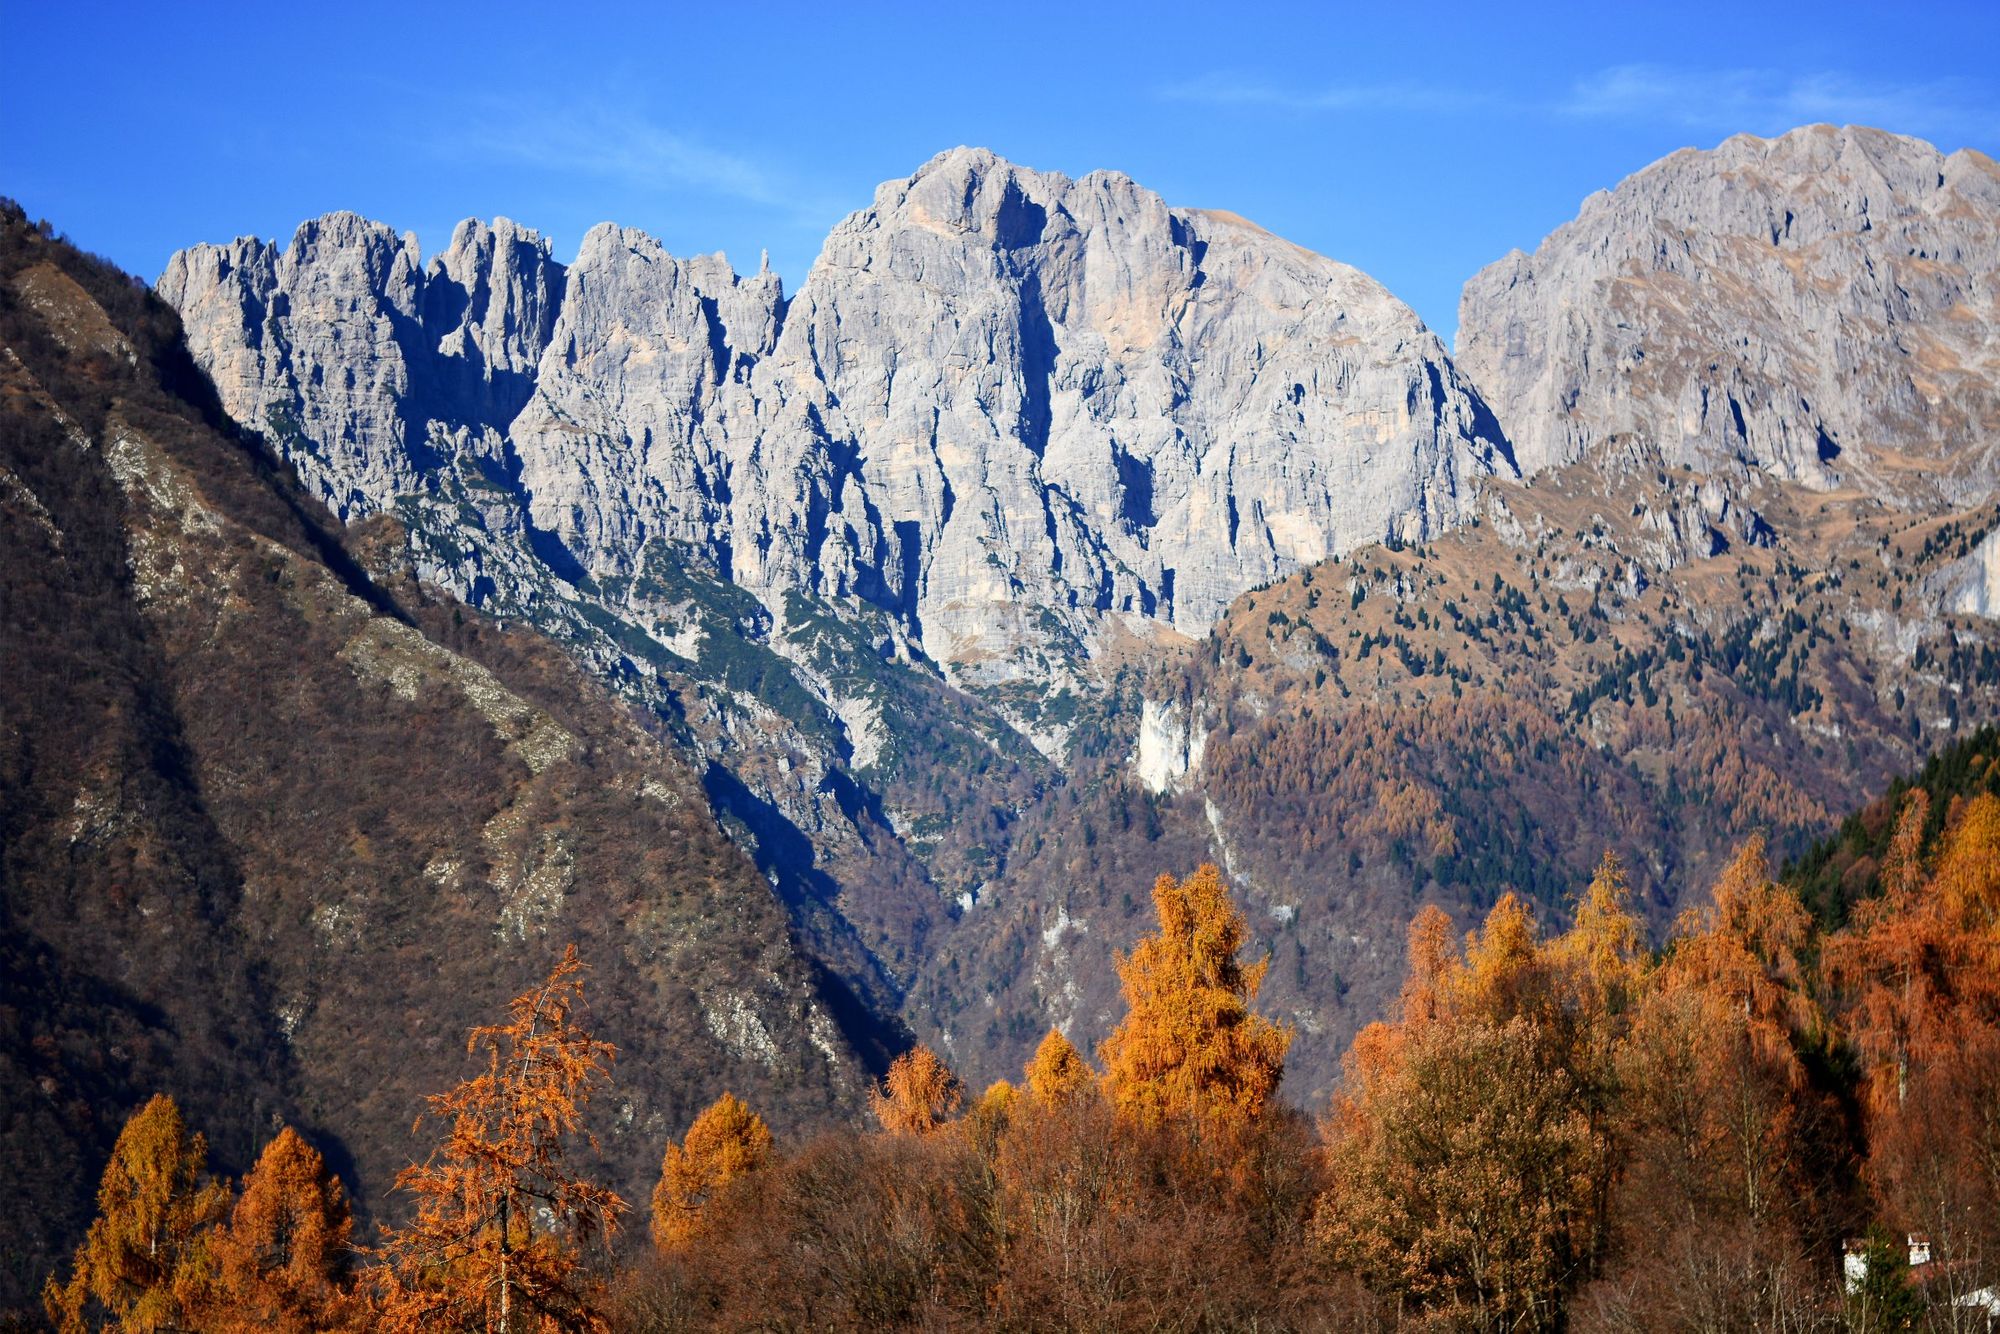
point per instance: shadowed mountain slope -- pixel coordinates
(275, 832)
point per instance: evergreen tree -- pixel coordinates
(283, 1260)
(726, 1141)
(500, 1214)
(919, 1094)
(1058, 1073)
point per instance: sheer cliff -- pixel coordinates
(1820, 306)
(1050, 537)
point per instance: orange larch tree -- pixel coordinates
(1058, 1073)
(1920, 969)
(1602, 950)
(145, 1264)
(1717, 1057)
(1470, 1150)
(1190, 1046)
(919, 1094)
(1727, 1143)
(726, 1141)
(987, 1120)
(500, 1215)
(283, 1261)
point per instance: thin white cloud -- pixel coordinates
(631, 149)
(1728, 100)
(1223, 88)
(1767, 100)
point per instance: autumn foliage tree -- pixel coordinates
(1189, 1045)
(1716, 1061)
(1920, 969)
(918, 1095)
(146, 1263)
(283, 1260)
(1058, 1073)
(500, 1214)
(726, 1142)
(1723, 1128)
(1471, 1147)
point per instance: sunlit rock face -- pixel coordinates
(1817, 306)
(358, 362)
(1004, 407)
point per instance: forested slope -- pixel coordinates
(275, 832)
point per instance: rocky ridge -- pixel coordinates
(1679, 628)
(1821, 306)
(872, 550)
(922, 557)
(1489, 712)
(1001, 396)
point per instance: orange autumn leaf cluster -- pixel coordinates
(147, 1262)
(499, 1212)
(1920, 970)
(918, 1095)
(726, 1142)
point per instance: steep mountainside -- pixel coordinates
(1002, 397)
(1490, 711)
(1675, 633)
(873, 551)
(274, 833)
(1822, 306)
(924, 560)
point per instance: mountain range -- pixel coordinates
(1047, 538)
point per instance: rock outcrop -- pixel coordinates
(1004, 406)
(357, 362)
(1018, 442)
(1820, 306)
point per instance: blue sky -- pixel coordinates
(1418, 142)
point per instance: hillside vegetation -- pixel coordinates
(274, 833)
(1619, 655)
(1551, 1130)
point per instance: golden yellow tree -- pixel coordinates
(1190, 1044)
(919, 1094)
(1602, 949)
(1718, 1041)
(990, 1116)
(1058, 1073)
(1920, 968)
(727, 1141)
(1468, 1151)
(1719, 1123)
(500, 1216)
(145, 1263)
(1750, 946)
(283, 1261)
(1922, 962)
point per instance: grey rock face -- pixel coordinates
(1065, 398)
(1004, 407)
(1819, 306)
(351, 357)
